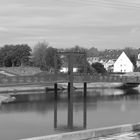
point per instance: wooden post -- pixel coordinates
(85, 93)
(55, 91)
(70, 73)
(70, 92)
(85, 89)
(85, 66)
(85, 73)
(70, 88)
(55, 75)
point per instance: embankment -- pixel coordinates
(62, 86)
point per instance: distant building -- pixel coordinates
(109, 65)
(103, 62)
(138, 61)
(123, 64)
(92, 60)
(139, 56)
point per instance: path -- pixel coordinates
(6, 73)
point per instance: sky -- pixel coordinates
(104, 24)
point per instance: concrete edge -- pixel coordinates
(90, 133)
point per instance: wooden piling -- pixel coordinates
(55, 91)
(68, 90)
(85, 89)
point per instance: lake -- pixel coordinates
(33, 115)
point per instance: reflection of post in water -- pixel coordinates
(70, 124)
(70, 114)
(55, 106)
(85, 106)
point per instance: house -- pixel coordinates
(109, 65)
(123, 64)
(138, 61)
(103, 62)
(92, 60)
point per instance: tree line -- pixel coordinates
(42, 56)
(14, 55)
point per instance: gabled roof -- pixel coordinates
(123, 56)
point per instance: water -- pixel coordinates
(38, 114)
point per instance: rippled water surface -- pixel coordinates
(38, 114)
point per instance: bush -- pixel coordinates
(99, 68)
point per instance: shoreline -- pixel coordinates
(91, 134)
(61, 86)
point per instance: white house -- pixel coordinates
(123, 64)
(92, 60)
(109, 65)
(103, 62)
(138, 60)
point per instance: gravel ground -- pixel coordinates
(124, 136)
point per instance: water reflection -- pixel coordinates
(41, 114)
(98, 96)
(70, 125)
(44, 102)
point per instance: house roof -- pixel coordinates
(123, 55)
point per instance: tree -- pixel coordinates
(15, 55)
(90, 69)
(93, 52)
(49, 57)
(22, 54)
(133, 59)
(137, 69)
(43, 56)
(99, 68)
(132, 55)
(39, 54)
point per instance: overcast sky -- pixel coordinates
(103, 24)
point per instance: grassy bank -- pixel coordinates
(21, 70)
